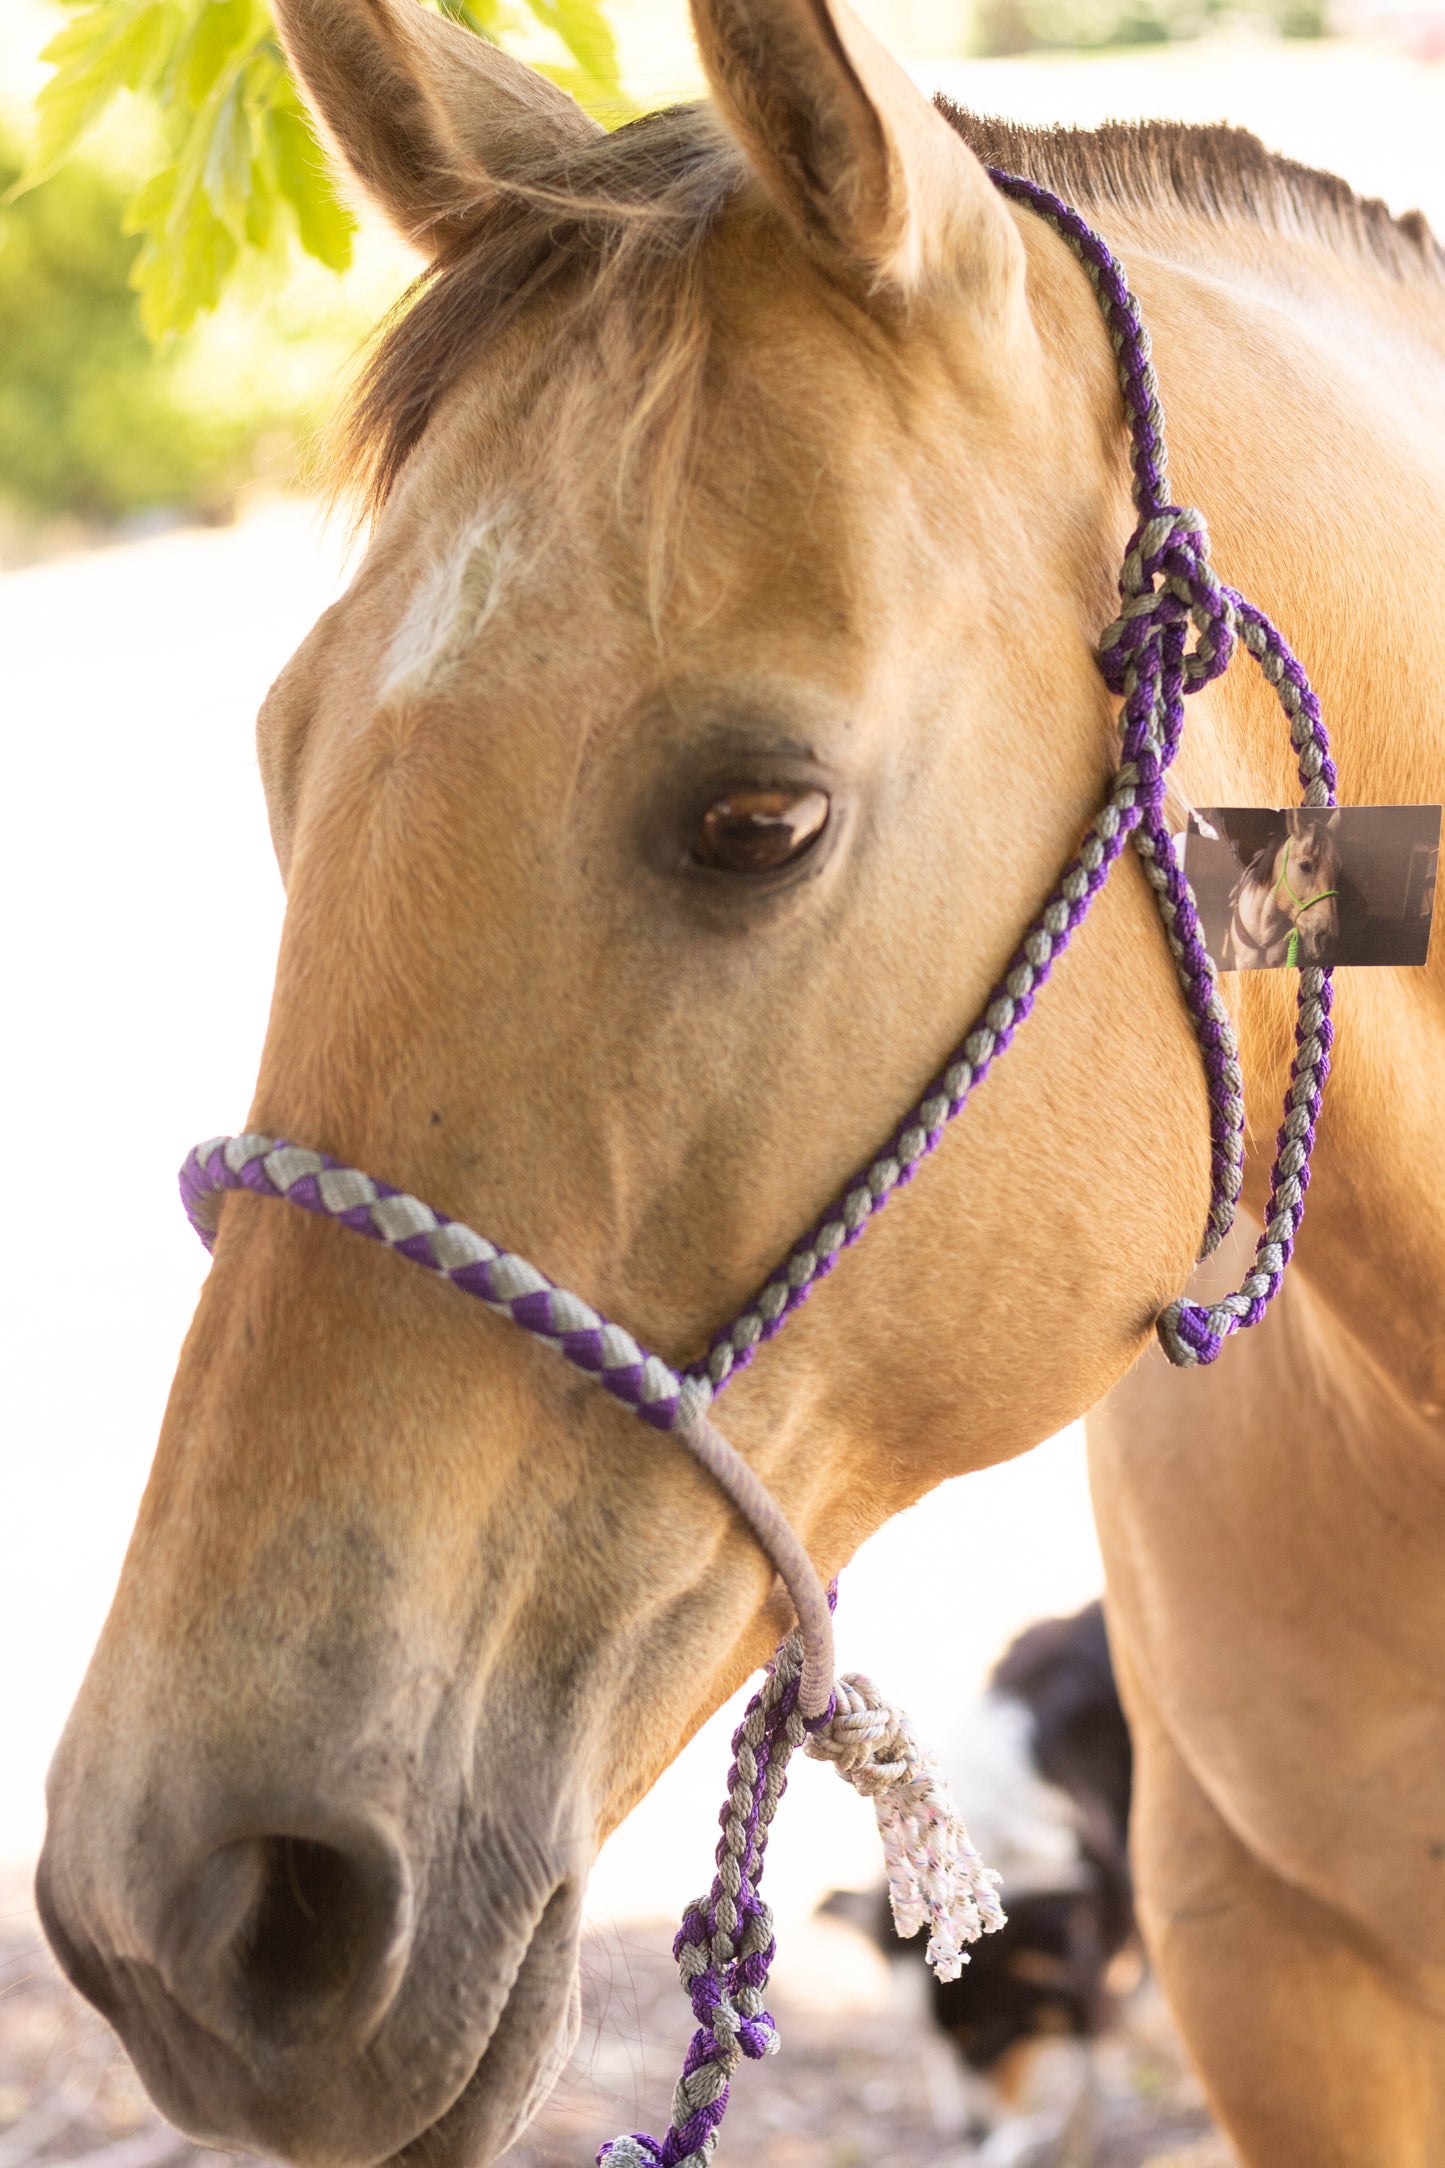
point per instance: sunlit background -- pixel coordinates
(161, 560)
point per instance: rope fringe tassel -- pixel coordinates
(935, 1877)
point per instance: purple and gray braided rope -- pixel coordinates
(1167, 588)
(724, 1948)
(1168, 592)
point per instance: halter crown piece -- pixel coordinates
(725, 1945)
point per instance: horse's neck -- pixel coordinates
(1305, 412)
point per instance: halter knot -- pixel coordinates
(935, 1877)
(1168, 583)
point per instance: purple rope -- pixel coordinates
(1168, 590)
(506, 1283)
(725, 1946)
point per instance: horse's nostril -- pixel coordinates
(308, 1927)
(282, 1942)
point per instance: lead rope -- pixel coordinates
(935, 1876)
(1304, 903)
(1142, 655)
(725, 1945)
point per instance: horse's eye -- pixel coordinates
(759, 831)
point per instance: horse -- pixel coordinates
(1285, 907)
(714, 704)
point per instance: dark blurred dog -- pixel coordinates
(1041, 1768)
(1042, 1776)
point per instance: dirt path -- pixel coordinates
(851, 2089)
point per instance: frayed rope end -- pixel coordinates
(935, 1877)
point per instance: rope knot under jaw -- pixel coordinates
(935, 1877)
(1168, 582)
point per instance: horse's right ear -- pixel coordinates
(423, 112)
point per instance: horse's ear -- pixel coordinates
(869, 173)
(423, 112)
(1301, 818)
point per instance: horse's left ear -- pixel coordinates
(870, 174)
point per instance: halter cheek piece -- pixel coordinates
(1168, 590)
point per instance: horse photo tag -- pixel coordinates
(1289, 886)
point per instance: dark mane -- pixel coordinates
(1224, 172)
(624, 221)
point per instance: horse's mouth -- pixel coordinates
(533, 2037)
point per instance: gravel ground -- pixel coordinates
(860, 2082)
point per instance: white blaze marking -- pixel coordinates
(451, 604)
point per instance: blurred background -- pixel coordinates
(159, 558)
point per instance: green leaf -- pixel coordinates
(218, 29)
(149, 206)
(261, 206)
(226, 169)
(322, 219)
(587, 35)
(239, 141)
(115, 45)
(479, 16)
(612, 108)
(186, 255)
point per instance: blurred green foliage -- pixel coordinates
(240, 172)
(233, 216)
(90, 423)
(1021, 26)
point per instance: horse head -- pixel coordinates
(1306, 885)
(715, 704)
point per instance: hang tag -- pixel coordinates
(1283, 887)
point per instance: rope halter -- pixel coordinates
(1176, 631)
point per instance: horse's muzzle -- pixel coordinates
(1319, 946)
(285, 1990)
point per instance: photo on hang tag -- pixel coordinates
(1285, 887)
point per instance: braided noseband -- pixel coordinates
(1168, 589)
